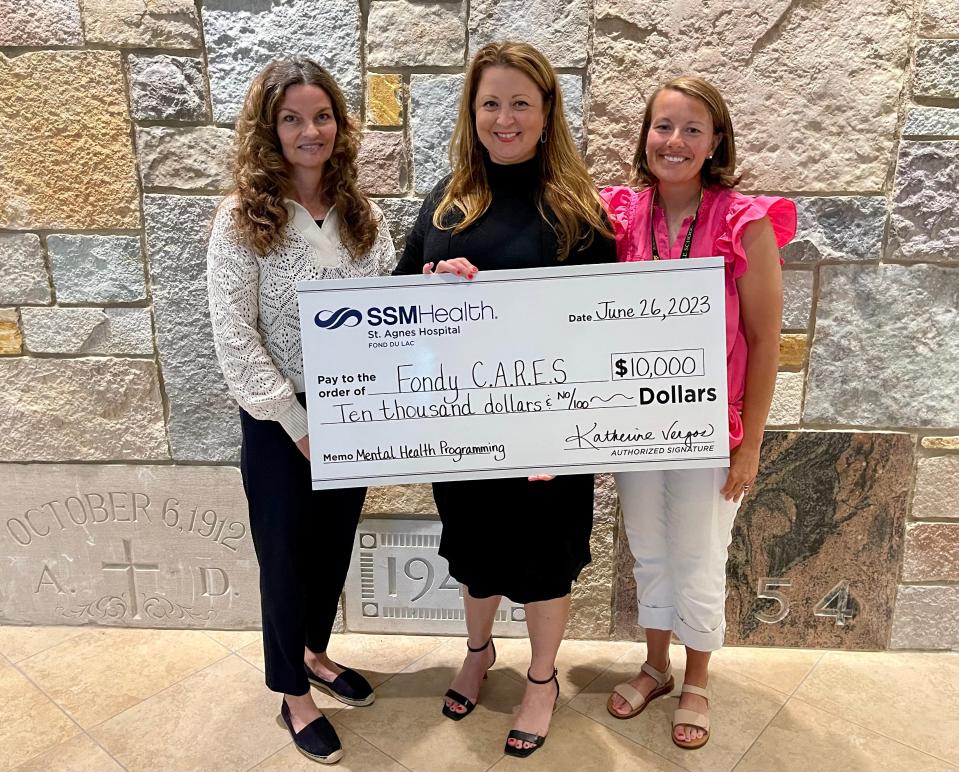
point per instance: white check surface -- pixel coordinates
(541, 371)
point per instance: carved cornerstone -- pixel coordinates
(398, 583)
(144, 546)
(817, 545)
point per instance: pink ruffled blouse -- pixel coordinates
(723, 216)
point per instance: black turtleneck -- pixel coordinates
(510, 234)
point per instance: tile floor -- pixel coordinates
(106, 699)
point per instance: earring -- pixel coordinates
(542, 137)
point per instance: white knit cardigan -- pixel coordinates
(253, 307)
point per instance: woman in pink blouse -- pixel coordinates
(683, 203)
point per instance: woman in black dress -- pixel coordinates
(519, 196)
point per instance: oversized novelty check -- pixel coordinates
(536, 371)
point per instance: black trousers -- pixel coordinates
(303, 540)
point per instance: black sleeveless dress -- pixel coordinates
(525, 540)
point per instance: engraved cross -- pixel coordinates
(131, 568)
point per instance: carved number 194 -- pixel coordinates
(426, 576)
(833, 605)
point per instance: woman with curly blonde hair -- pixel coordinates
(519, 196)
(295, 213)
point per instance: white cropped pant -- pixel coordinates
(679, 527)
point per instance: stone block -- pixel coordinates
(243, 36)
(940, 18)
(624, 598)
(759, 54)
(571, 87)
(203, 418)
(400, 33)
(925, 213)
(797, 299)
(11, 341)
(823, 526)
(167, 88)
(142, 23)
(837, 522)
(40, 23)
(195, 158)
(616, 98)
(97, 269)
(398, 583)
(590, 614)
(786, 408)
(91, 409)
(88, 330)
(926, 618)
(400, 500)
(932, 553)
(937, 69)
(941, 443)
(23, 275)
(434, 103)
(792, 351)
(65, 153)
(384, 99)
(558, 28)
(400, 214)
(383, 163)
(937, 488)
(881, 355)
(130, 546)
(931, 122)
(837, 228)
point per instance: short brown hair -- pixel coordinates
(721, 169)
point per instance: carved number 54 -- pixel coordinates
(833, 605)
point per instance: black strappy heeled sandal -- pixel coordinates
(458, 698)
(537, 741)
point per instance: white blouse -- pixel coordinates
(253, 307)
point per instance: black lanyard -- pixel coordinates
(688, 243)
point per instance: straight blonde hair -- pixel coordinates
(568, 191)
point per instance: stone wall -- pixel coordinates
(118, 439)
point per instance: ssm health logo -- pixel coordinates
(342, 317)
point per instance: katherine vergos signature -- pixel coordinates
(595, 438)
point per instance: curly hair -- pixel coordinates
(721, 169)
(261, 174)
(568, 191)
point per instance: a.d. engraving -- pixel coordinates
(138, 546)
(49, 579)
(154, 606)
(214, 582)
(131, 567)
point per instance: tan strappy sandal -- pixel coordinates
(635, 699)
(684, 717)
